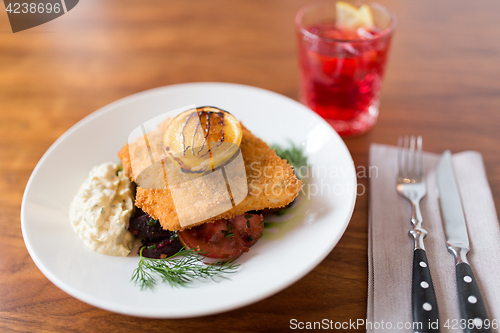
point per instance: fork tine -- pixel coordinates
(406, 157)
(419, 164)
(400, 157)
(411, 159)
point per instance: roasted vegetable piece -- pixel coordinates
(224, 239)
(145, 227)
(162, 248)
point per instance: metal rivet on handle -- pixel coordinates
(427, 306)
(472, 299)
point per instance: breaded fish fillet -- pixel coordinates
(271, 181)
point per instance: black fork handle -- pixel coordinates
(424, 303)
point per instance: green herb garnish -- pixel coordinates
(250, 238)
(248, 224)
(248, 216)
(227, 233)
(120, 169)
(179, 272)
(152, 222)
(294, 155)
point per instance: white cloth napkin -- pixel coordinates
(390, 249)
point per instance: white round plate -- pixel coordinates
(274, 263)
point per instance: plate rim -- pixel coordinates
(91, 300)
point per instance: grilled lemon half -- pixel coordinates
(199, 140)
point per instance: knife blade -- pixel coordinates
(472, 307)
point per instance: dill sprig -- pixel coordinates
(179, 272)
(293, 154)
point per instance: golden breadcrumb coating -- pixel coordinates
(270, 179)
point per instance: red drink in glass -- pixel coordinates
(341, 70)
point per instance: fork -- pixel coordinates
(411, 185)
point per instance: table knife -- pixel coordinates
(472, 308)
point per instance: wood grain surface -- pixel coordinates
(442, 82)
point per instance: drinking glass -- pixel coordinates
(341, 71)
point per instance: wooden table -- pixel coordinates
(442, 82)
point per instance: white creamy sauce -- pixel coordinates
(101, 210)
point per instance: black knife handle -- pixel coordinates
(424, 304)
(472, 307)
